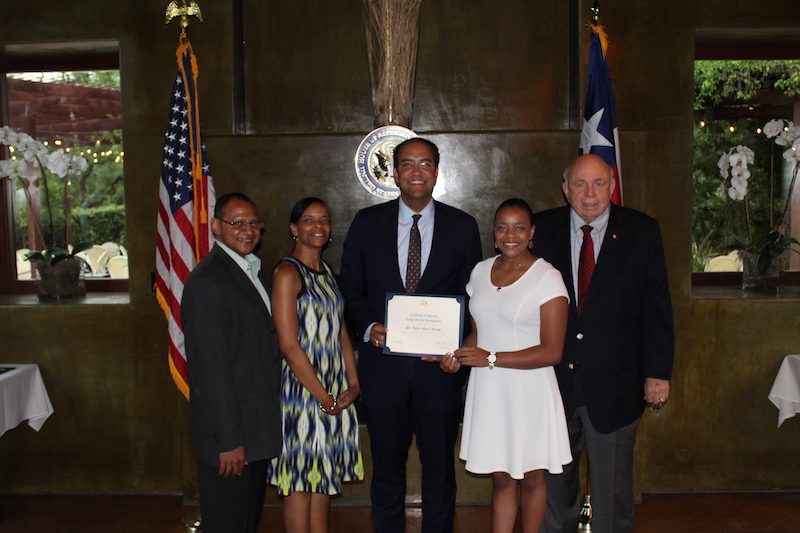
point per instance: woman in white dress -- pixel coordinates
(514, 424)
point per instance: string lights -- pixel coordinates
(97, 156)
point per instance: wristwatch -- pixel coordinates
(492, 358)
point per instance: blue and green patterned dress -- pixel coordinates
(320, 451)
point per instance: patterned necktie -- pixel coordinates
(585, 265)
(414, 257)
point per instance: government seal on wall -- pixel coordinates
(375, 160)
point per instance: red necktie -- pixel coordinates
(585, 265)
(414, 257)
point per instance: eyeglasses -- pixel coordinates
(240, 224)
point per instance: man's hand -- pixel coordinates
(346, 398)
(231, 463)
(377, 334)
(656, 391)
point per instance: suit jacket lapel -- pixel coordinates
(243, 280)
(389, 242)
(252, 288)
(440, 231)
(563, 254)
(263, 280)
(608, 259)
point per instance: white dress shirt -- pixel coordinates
(251, 265)
(599, 227)
(425, 224)
(404, 222)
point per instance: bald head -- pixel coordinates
(588, 186)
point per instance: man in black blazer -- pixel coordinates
(234, 371)
(619, 346)
(404, 396)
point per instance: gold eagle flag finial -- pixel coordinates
(183, 11)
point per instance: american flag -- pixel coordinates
(600, 135)
(186, 201)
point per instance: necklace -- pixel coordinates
(512, 272)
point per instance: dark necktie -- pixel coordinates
(414, 257)
(585, 265)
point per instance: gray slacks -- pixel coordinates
(610, 475)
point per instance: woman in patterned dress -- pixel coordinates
(321, 447)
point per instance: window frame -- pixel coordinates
(46, 57)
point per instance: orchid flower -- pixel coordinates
(747, 153)
(77, 164)
(773, 128)
(735, 193)
(12, 168)
(58, 163)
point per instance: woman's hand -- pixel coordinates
(330, 406)
(472, 356)
(449, 363)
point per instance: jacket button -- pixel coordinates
(579, 336)
(571, 366)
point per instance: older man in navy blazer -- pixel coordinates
(619, 346)
(404, 396)
(234, 371)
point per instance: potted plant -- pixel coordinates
(765, 248)
(59, 269)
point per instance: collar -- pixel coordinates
(599, 224)
(250, 263)
(405, 213)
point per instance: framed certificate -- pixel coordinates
(423, 325)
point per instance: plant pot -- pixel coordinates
(755, 280)
(62, 281)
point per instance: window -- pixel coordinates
(737, 93)
(70, 107)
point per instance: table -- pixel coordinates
(785, 393)
(23, 397)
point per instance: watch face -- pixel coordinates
(492, 358)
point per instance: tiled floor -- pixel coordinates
(658, 513)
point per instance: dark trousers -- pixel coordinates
(231, 504)
(610, 475)
(394, 414)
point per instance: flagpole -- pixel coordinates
(600, 134)
(202, 194)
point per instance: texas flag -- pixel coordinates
(600, 135)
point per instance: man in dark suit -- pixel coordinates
(620, 341)
(404, 396)
(234, 371)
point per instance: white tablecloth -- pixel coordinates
(23, 397)
(785, 393)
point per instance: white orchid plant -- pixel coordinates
(768, 242)
(30, 164)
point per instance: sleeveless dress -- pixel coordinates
(320, 451)
(513, 418)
